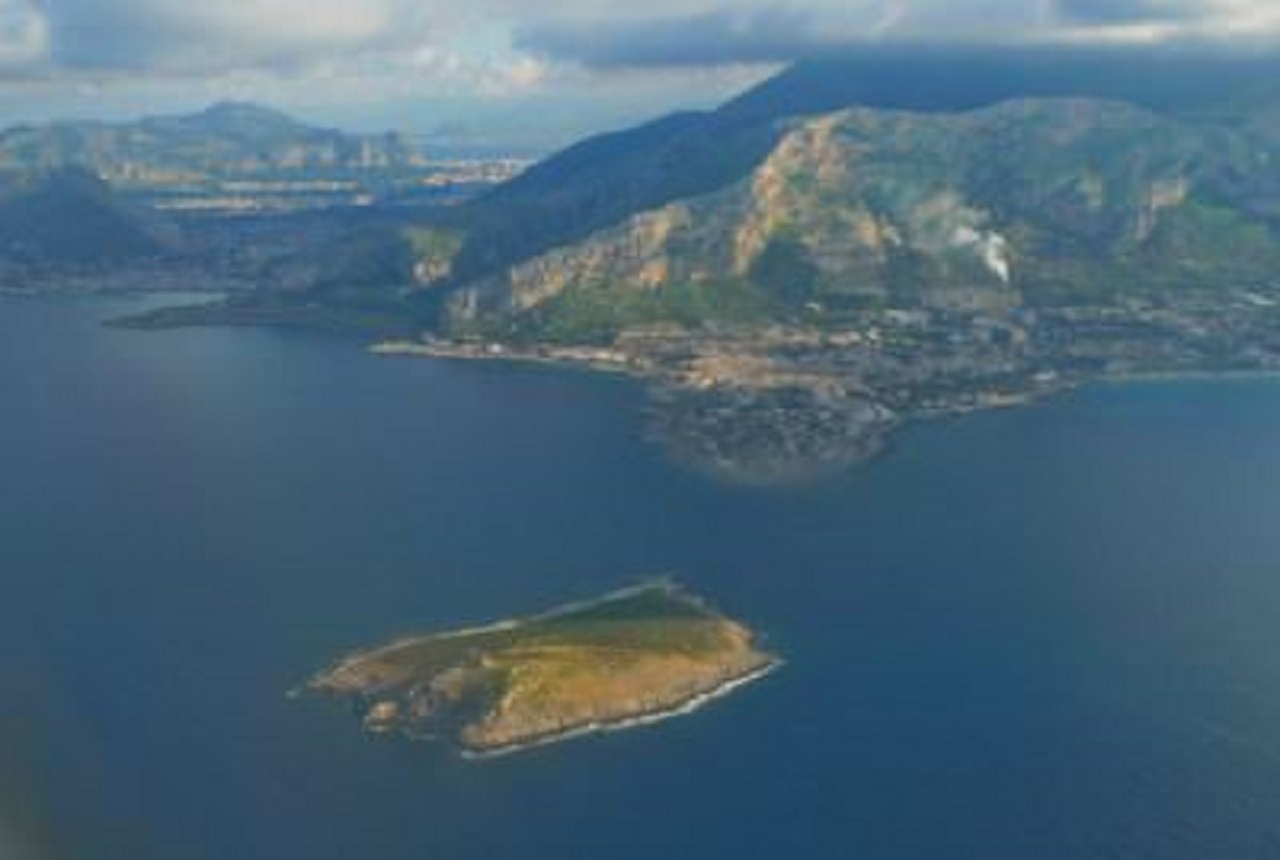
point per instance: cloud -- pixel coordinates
(768, 34)
(719, 37)
(747, 33)
(459, 72)
(24, 35)
(493, 46)
(1197, 22)
(1109, 12)
(186, 36)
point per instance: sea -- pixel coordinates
(1050, 632)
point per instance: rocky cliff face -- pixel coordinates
(1037, 201)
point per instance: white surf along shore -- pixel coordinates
(689, 706)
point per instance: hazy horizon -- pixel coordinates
(510, 74)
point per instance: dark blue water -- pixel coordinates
(1049, 633)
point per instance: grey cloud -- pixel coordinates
(23, 34)
(88, 34)
(714, 38)
(1107, 12)
(206, 37)
(782, 33)
(200, 36)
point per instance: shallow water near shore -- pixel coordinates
(1047, 632)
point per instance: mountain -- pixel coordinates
(1029, 202)
(844, 184)
(68, 218)
(602, 181)
(230, 139)
(605, 179)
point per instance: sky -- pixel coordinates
(532, 73)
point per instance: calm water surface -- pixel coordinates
(1049, 633)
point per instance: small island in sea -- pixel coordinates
(631, 658)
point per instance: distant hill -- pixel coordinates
(603, 181)
(69, 217)
(227, 140)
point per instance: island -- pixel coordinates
(632, 658)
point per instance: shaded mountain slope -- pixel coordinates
(70, 217)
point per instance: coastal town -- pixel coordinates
(792, 400)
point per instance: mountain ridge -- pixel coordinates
(601, 181)
(226, 139)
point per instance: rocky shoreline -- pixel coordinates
(685, 707)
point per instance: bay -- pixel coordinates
(1048, 632)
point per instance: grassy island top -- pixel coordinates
(634, 656)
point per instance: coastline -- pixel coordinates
(687, 706)
(804, 449)
(599, 361)
(1176, 376)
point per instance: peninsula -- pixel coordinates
(631, 658)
